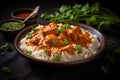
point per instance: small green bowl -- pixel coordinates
(8, 27)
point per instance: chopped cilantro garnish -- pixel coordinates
(29, 34)
(65, 42)
(66, 26)
(78, 48)
(34, 29)
(57, 57)
(45, 49)
(60, 29)
(54, 41)
(104, 69)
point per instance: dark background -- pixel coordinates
(24, 70)
(7, 6)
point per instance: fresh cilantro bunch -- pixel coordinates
(93, 15)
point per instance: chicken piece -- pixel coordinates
(84, 39)
(34, 40)
(73, 34)
(50, 29)
(87, 35)
(77, 29)
(51, 40)
(62, 36)
(69, 49)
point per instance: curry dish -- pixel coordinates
(59, 38)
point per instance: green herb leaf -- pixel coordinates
(110, 42)
(78, 48)
(6, 69)
(95, 8)
(104, 69)
(91, 20)
(60, 29)
(29, 34)
(34, 29)
(57, 56)
(63, 8)
(2, 53)
(4, 48)
(65, 42)
(117, 50)
(85, 8)
(45, 49)
(94, 15)
(54, 41)
(104, 25)
(43, 32)
(29, 52)
(66, 26)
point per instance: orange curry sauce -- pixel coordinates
(51, 40)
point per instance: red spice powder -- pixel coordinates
(23, 15)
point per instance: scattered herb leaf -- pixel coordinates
(29, 34)
(78, 48)
(57, 57)
(54, 41)
(29, 52)
(117, 50)
(67, 26)
(34, 29)
(6, 69)
(60, 29)
(104, 69)
(65, 42)
(4, 48)
(45, 49)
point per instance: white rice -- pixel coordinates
(42, 55)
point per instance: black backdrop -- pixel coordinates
(7, 5)
(23, 70)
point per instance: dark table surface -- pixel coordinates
(25, 70)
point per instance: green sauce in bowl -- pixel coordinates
(11, 25)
